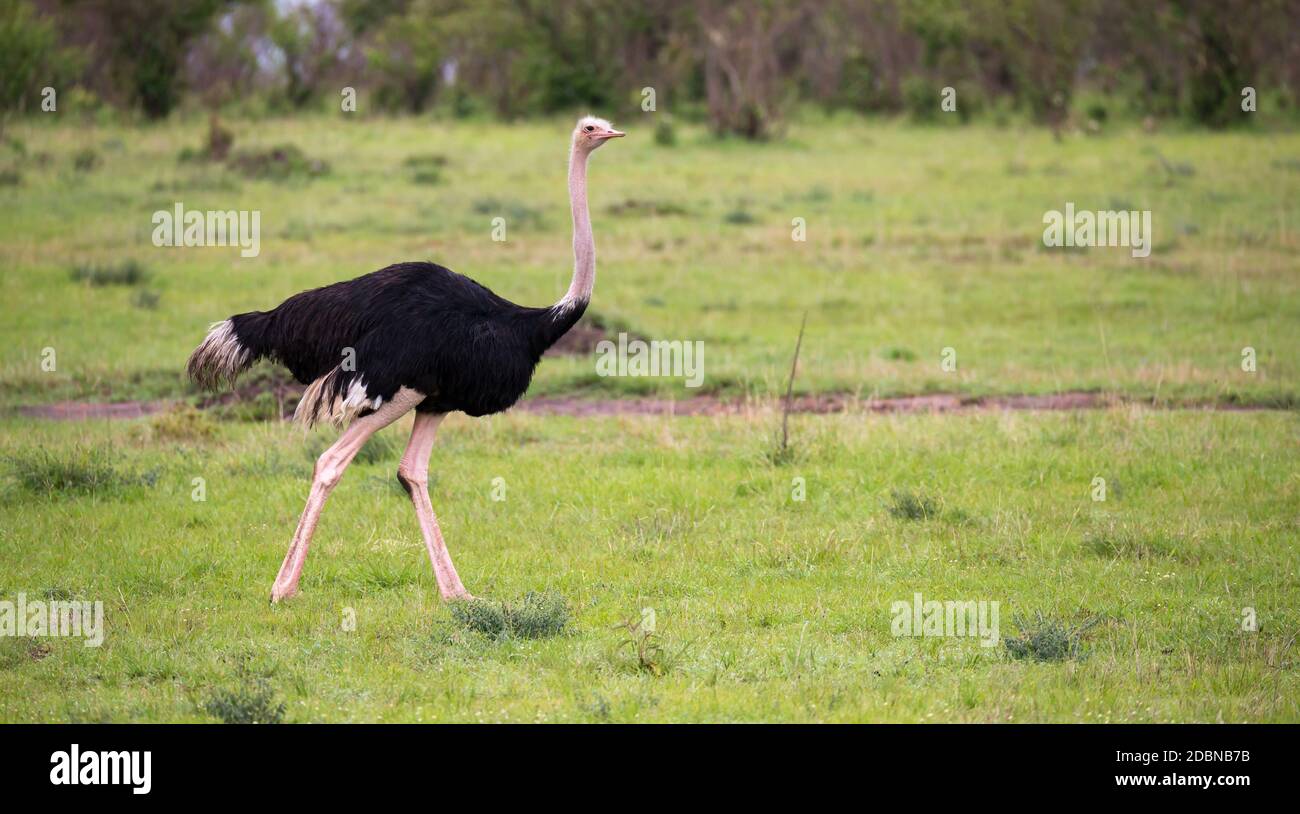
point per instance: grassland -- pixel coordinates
(767, 607)
(917, 240)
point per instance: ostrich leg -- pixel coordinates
(413, 472)
(328, 471)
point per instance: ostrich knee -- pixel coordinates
(413, 468)
(411, 483)
(329, 470)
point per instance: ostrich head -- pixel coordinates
(592, 132)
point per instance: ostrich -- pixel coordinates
(412, 336)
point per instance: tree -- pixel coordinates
(30, 57)
(310, 39)
(745, 49)
(145, 43)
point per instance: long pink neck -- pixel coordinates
(584, 246)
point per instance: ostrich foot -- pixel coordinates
(279, 592)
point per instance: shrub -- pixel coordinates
(279, 163)
(536, 616)
(128, 272)
(252, 702)
(89, 471)
(665, 132)
(86, 160)
(1048, 639)
(907, 505)
(184, 423)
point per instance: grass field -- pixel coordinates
(766, 606)
(917, 240)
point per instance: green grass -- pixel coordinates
(767, 608)
(917, 240)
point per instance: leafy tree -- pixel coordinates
(145, 43)
(30, 57)
(310, 39)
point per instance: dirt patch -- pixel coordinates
(86, 410)
(824, 404)
(829, 403)
(820, 404)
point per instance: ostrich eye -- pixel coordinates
(589, 128)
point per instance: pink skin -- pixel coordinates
(329, 469)
(413, 472)
(414, 467)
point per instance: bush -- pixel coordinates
(128, 272)
(183, 423)
(921, 98)
(907, 505)
(279, 163)
(86, 160)
(665, 133)
(81, 470)
(536, 616)
(1048, 640)
(145, 299)
(252, 702)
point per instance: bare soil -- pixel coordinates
(695, 406)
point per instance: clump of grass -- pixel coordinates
(262, 406)
(10, 177)
(15, 651)
(739, 217)
(127, 272)
(426, 169)
(1127, 543)
(251, 702)
(481, 616)
(425, 160)
(184, 423)
(535, 616)
(516, 213)
(638, 206)
(145, 299)
(908, 505)
(538, 616)
(279, 163)
(665, 132)
(1046, 639)
(898, 354)
(86, 160)
(81, 470)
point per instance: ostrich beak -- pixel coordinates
(611, 134)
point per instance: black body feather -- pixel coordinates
(415, 325)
